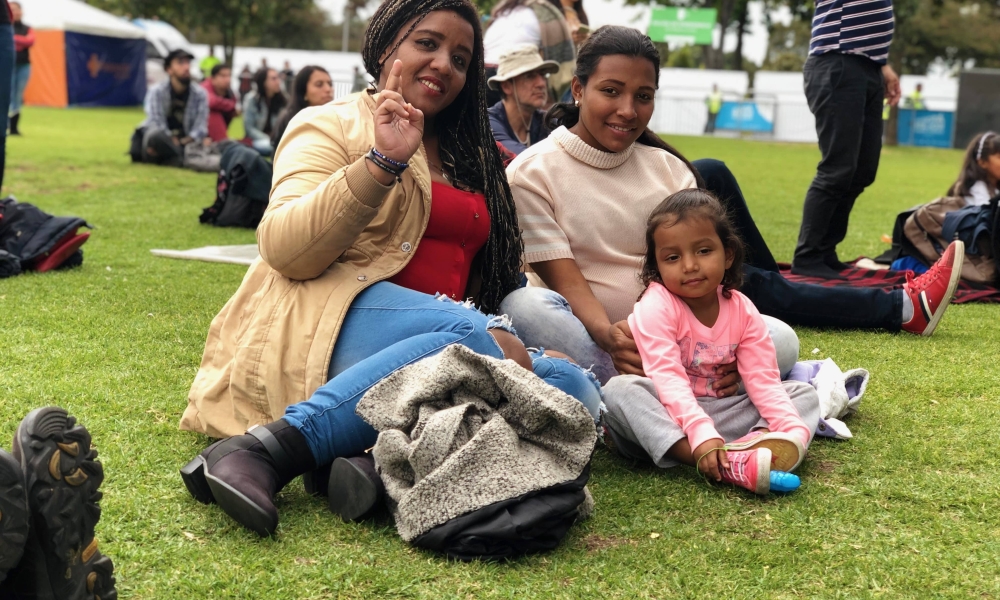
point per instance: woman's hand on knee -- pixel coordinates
(624, 353)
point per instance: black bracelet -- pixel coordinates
(398, 165)
(385, 168)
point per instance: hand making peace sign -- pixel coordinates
(399, 127)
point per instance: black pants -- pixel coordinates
(845, 94)
(710, 123)
(796, 303)
(164, 150)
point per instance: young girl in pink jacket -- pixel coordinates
(688, 322)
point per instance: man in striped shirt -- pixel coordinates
(846, 80)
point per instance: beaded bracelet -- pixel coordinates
(398, 165)
(395, 172)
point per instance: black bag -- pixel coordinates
(135, 145)
(533, 522)
(28, 234)
(242, 189)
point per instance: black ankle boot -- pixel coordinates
(245, 472)
(355, 488)
(13, 124)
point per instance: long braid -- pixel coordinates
(468, 151)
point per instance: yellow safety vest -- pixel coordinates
(916, 100)
(886, 109)
(714, 102)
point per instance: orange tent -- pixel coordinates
(83, 56)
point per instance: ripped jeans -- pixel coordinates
(388, 327)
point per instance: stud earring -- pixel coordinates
(576, 102)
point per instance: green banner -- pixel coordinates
(682, 25)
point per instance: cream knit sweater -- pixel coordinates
(574, 201)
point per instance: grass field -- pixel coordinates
(908, 508)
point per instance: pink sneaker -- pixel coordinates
(750, 469)
(787, 452)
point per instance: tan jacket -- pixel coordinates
(330, 231)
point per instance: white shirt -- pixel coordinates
(979, 194)
(519, 26)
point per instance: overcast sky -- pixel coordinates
(616, 12)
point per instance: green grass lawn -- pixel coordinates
(907, 508)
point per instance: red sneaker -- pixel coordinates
(787, 452)
(932, 292)
(750, 469)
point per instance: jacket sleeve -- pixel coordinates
(320, 201)
(250, 115)
(156, 113)
(220, 103)
(758, 366)
(23, 42)
(199, 129)
(654, 325)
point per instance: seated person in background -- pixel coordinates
(312, 87)
(222, 102)
(517, 120)
(979, 179)
(261, 108)
(176, 114)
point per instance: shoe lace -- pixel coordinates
(922, 282)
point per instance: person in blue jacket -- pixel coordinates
(517, 120)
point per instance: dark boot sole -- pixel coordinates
(62, 477)
(352, 495)
(193, 475)
(14, 514)
(243, 510)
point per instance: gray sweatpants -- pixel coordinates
(641, 429)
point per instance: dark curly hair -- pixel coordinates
(469, 154)
(698, 204)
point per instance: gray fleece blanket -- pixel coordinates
(460, 431)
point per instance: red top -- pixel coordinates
(459, 226)
(221, 111)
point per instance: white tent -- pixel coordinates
(75, 16)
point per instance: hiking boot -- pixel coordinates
(245, 472)
(931, 292)
(355, 488)
(13, 513)
(787, 452)
(62, 477)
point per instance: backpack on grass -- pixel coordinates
(242, 189)
(32, 239)
(924, 228)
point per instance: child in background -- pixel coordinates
(689, 321)
(978, 180)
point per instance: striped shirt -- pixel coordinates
(853, 27)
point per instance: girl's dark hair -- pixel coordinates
(694, 204)
(611, 40)
(299, 88)
(981, 147)
(277, 101)
(469, 154)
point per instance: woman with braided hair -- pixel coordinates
(388, 209)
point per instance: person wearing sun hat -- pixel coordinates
(522, 79)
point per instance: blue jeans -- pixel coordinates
(386, 328)
(19, 81)
(544, 318)
(6, 76)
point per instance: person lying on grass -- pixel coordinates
(380, 202)
(688, 321)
